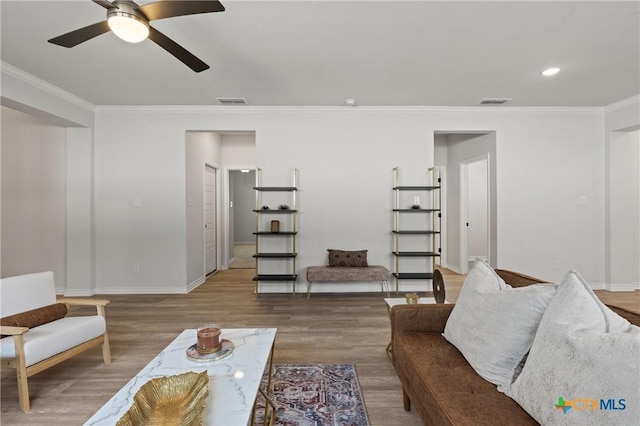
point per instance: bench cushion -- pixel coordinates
(50, 339)
(343, 273)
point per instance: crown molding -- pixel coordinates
(45, 86)
(194, 109)
(634, 100)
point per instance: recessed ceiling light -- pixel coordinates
(550, 71)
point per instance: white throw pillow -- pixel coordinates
(583, 365)
(493, 324)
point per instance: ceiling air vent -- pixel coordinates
(494, 101)
(232, 101)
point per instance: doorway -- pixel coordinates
(474, 210)
(456, 152)
(242, 218)
(209, 207)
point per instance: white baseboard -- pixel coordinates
(473, 258)
(76, 293)
(453, 268)
(598, 286)
(137, 290)
(196, 283)
(622, 287)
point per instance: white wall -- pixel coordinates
(622, 238)
(33, 196)
(624, 210)
(345, 158)
(200, 148)
(49, 104)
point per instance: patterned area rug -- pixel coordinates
(315, 395)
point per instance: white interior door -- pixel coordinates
(210, 248)
(475, 202)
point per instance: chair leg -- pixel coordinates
(21, 373)
(406, 402)
(106, 350)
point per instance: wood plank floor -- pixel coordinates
(328, 328)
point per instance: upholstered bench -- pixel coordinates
(347, 273)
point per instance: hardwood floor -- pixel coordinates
(329, 328)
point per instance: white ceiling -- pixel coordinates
(319, 53)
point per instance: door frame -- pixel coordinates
(216, 211)
(464, 205)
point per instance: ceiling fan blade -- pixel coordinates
(105, 4)
(176, 50)
(81, 35)
(170, 8)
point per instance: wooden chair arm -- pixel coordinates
(98, 303)
(6, 330)
(83, 302)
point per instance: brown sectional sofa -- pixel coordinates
(437, 380)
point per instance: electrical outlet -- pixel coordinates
(556, 264)
(136, 268)
(416, 201)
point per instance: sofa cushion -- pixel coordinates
(583, 350)
(354, 258)
(49, 339)
(493, 324)
(445, 389)
(36, 317)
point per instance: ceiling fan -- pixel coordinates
(130, 22)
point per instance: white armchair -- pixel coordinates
(37, 335)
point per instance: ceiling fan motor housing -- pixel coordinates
(127, 9)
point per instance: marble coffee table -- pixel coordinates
(234, 381)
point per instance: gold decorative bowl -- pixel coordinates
(170, 400)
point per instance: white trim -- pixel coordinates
(622, 104)
(598, 286)
(443, 215)
(138, 290)
(32, 80)
(196, 283)
(472, 258)
(621, 287)
(239, 109)
(77, 293)
(453, 268)
(216, 209)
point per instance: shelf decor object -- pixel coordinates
(170, 400)
(276, 257)
(416, 229)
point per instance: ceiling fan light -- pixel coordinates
(128, 27)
